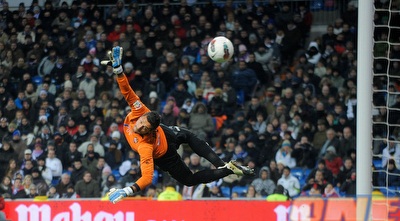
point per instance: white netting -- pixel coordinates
(386, 99)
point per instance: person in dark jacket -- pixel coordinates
(304, 153)
(245, 79)
(38, 181)
(62, 186)
(168, 117)
(113, 156)
(391, 175)
(87, 187)
(180, 93)
(78, 171)
(18, 190)
(6, 154)
(349, 186)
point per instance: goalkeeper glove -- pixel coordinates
(115, 56)
(115, 195)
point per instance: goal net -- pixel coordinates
(386, 98)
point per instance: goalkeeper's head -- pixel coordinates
(147, 123)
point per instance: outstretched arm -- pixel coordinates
(130, 96)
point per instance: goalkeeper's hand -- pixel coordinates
(115, 195)
(115, 61)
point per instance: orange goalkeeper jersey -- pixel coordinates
(149, 147)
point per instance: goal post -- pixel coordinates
(364, 103)
(364, 97)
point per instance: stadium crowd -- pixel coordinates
(284, 104)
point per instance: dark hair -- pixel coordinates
(287, 168)
(154, 119)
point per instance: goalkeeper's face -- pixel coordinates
(142, 126)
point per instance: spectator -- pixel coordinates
(93, 141)
(18, 191)
(88, 85)
(390, 177)
(38, 180)
(18, 145)
(131, 176)
(320, 135)
(280, 194)
(87, 187)
(154, 103)
(347, 142)
(322, 167)
(71, 194)
(52, 193)
(109, 183)
(284, 154)
(37, 151)
(391, 151)
(331, 140)
(32, 191)
(289, 182)
(304, 153)
(47, 64)
(54, 164)
(6, 154)
(317, 182)
(77, 171)
(217, 104)
(169, 193)
(333, 161)
(155, 84)
(6, 187)
(244, 79)
(62, 186)
(251, 192)
(101, 171)
(345, 170)
(69, 157)
(27, 169)
(274, 173)
(330, 191)
(260, 126)
(44, 170)
(253, 109)
(81, 135)
(168, 117)
(200, 122)
(349, 186)
(113, 156)
(263, 185)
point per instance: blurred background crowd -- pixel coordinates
(285, 104)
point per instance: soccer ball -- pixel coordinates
(220, 49)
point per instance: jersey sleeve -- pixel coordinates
(130, 96)
(146, 165)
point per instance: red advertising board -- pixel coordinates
(210, 210)
(141, 210)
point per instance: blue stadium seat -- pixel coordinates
(116, 174)
(226, 191)
(241, 190)
(155, 177)
(377, 163)
(54, 181)
(297, 172)
(389, 191)
(240, 99)
(37, 80)
(307, 172)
